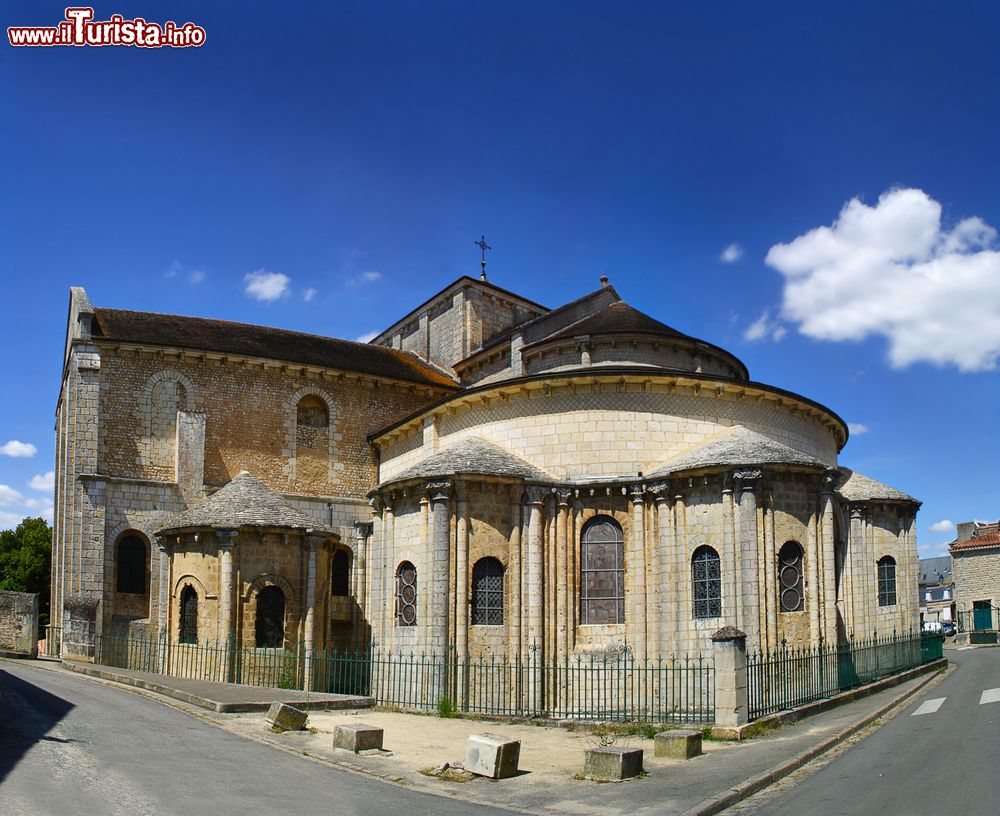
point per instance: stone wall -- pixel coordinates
(977, 577)
(19, 623)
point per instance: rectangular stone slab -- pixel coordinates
(357, 737)
(492, 755)
(612, 764)
(286, 717)
(677, 744)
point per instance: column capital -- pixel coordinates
(637, 494)
(439, 491)
(227, 538)
(363, 529)
(747, 477)
(536, 494)
(376, 503)
(565, 496)
(857, 509)
(827, 482)
(660, 490)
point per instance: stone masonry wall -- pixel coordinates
(977, 578)
(19, 623)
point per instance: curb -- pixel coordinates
(721, 801)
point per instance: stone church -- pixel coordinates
(487, 475)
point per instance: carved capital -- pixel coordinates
(637, 494)
(747, 476)
(535, 494)
(227, 538)
(362, 529)
(376, 503)
(565, 496)
(439, 491)
(857, 509)
(660, 491)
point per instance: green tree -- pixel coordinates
(26, 560)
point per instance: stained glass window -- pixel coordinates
(487, 592)
(706, 580)
(602, 572)
(406, 594)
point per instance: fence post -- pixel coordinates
(731, 703)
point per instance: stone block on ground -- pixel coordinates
(611, 764)
(492, 755)
(285, 717)
(677, 744)
(357, 737)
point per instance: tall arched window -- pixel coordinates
(706, 582)
(602, 572)
(189, 616)
(312, 432)
(790, 592)
(406, 594)
(270, 621)
(487, 592)
(887, 581)
(131, 565)
(340, 579)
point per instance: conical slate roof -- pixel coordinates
(854, 486)
(738, 446)
(618, 318)
(474, 456)
(244, 502)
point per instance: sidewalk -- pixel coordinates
(550, 756)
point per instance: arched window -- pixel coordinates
(189, 616)
(790, 594)
(406, 594)
(340, 579)
(131, 565)
(312, 431)
(706, 581)
(487, 592)
(270, 622)
(887, 581)
(602, 572)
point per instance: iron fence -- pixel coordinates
(793, 676)
(982, 619)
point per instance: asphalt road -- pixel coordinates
(941, 760)
(71, 746)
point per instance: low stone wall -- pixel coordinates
(19, 623)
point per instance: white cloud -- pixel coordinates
(763, 327)
(8, 520)
(363, 278)
(194, 276)
(44, 482)
(367, 337)
(9, 497)
(308, 294)
(894, 270)
(731, 254)
(943, 526)
(857, 428)
(18, 449)
(266, 286)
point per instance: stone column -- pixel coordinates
(440, 551)
(635, 569)
(309, 635)
(680, 559)
(858, 609)
(731, 608)
(362, 531)
(550, 615)
(771, 595)
(227, 628)
(749, 556)
(814, 597)
(829, 562)
(163, 603)
(535, 597)
(515, 599)
(731, 700)
(389, 573)
(664, 586)
(461, 588)
(374, 568)
(561, 576)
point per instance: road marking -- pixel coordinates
(930, 706)
(990, 696)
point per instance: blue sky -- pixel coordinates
(358, 150)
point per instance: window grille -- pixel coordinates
(790, 590)
(340, 580)
(706, 580)
(406, 594)
(887, 581)
(270, 622)
(487, 592)
(189, 616)
(602, 572)
(132, 565)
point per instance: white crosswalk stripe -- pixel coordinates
(990, 696)
(929, 706)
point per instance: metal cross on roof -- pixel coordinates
(483, 246)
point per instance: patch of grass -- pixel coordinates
(446, 708)
(277, 729)
(448, 774)
(313, 729)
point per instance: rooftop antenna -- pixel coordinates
(483, 246)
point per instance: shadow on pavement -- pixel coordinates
(27, 714)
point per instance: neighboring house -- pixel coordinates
(486, 476)
(976, 567)
(937, 589)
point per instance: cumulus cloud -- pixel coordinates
(893, 270)
(763, 327)
(266, 286)
(9, 497)
(731, 254)
(364, 278)
(18, 449)
(367, 337)
(943, 526)
(44, 482)
(194, 276)
(857, 428)
(308, 294)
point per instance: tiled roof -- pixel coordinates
(200, 334)
(738, 446)
(991, 539)
(472, 456)
(244, 502)
(854, 486)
